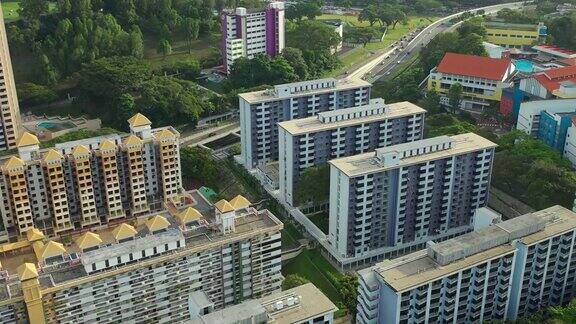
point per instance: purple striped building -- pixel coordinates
(247, 33)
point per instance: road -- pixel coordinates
(389, 62)
(209, 134)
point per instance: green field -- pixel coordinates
(358, 54)
(202, 48)
(10, 9)
(311, 265)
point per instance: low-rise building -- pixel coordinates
(519, 36)
(147, 270)
(315, 140)
(261, 111)
(392, 201)
(505, 271)
(482, 79)
(552, 83)
(304, 304)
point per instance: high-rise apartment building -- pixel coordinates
(86, 183)
(247, 33)
(9, 109)
(394, 200)
(147, 270)
(502, 272)
(312, 141)
(261, 111)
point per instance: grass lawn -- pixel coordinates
(202, 48)
(10, 9)
(290, 235)
(356, 55)
(320, 220)
(311, 265)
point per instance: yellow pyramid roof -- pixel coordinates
(224, 206)
(27, 139)
(88, 240)
(80, 150)
(165, 134)
(52, 155)
(14, 162)
(188, 215)
(107, 145)
(139, 120)
(124, 231)
(34, 234)
(239, 202)
(27, 271)
(133, 140)
(52, 249)
(157, 223)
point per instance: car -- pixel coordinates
(388, 73)
(399, 62)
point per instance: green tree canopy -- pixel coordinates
(314, 185)
(293, 280)
(312, 35)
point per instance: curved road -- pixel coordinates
(390, 61)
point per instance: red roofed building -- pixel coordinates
(482, 79)
(553, 83)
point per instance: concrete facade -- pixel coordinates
(507, 270)
(86, 183)
(313, 141)
(392, 201)
(10, 122)
(261, 111)
(249, 33)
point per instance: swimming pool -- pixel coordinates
(55, 126)
(524, 66)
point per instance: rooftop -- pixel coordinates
(360, 115)
(556, 51)
(553, 79)
(396, 156)
(475, 66)
(509, 26)
(66, 262)
(448, 257)
(311, 303)
(304, 88)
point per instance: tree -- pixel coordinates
(125, 107)
(187, 69)
(562, 31)
(293, 280)
(64, 7)
(81, 8)
(312, 35)
(369, 14)
(348, 287)
(472, 26)
(362, 35)
(191, 29)
(48, 75)
(199, 168)
(164, 48)
(432, 102)
(111, 77)
(136, 42)
(295, 58)
(455, 96)
(300, 9)
(31, 11)
(30, 94)
(314, 185)
(262, 69)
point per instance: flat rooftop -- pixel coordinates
(510, 26)
(314, 124)
(418, 268)
(312, 303)
(370, 163)
(204, 235)
(272, 94)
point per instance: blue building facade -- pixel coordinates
(553, 128)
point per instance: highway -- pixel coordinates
(387, 63)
